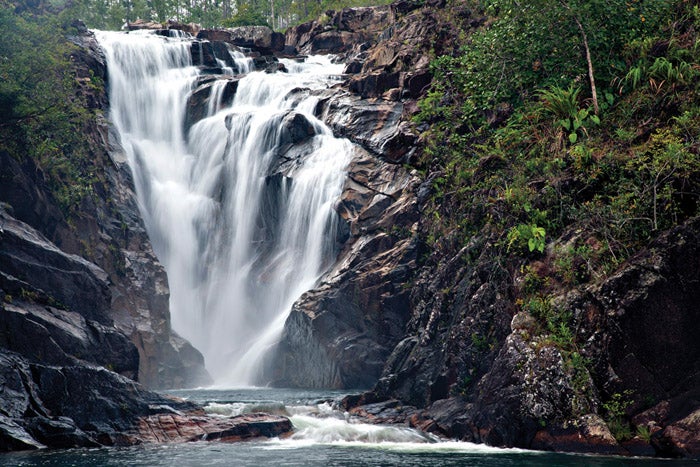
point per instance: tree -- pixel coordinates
(543, 43)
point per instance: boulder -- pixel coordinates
(295, 128)
(199, 98)
(143, 24)
(179, 428)
(682, 437)
(203, 54)
(257, 38)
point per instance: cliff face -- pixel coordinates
(107, 234)
(444, 328)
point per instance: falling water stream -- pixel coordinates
(239, 206)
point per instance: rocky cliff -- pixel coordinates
(108, 232)
(444, 329)
(84, 302)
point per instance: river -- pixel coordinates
(322, 437)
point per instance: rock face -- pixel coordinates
(465, 361)
(260, 39)
(481, 376)
(341, 333)
(89, 406)
(340, 32)
(86, 282)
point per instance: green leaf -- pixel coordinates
(595, 119)
(566, 124)
(532, 244)
(573, 137)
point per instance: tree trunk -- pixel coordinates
(591, 75)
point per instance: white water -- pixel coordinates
(320, 424)
(239, 246)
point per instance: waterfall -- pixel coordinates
(239, 205)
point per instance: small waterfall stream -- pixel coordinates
(239, 207)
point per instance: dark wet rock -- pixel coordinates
(208, 55)
(268, 64)
(81, 406)
(295, 128)
(70, 280)
(385, 412)
(203, 54)
(682, 437)
(374, 84)
(222, 52)
(521, 392)
(199, 99)
(14, 437)
(59, 431)
(21, 190)
(378, 126)
(589, 434)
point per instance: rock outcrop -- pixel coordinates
(86, 281)
(66, 369)
(466, 361)
(341, 333)
(260, 39)
(485, 378)
(179, 428)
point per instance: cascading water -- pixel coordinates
(239, 206)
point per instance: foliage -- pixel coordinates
(532, 235)
(522, 167)
(644, 433)
(278, 14)
(546, 163)
(42, 115)
(538, 44)
(563, 105)
(246, 15)
(615, 415)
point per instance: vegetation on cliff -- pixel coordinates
(43, 106)
(562, 140)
